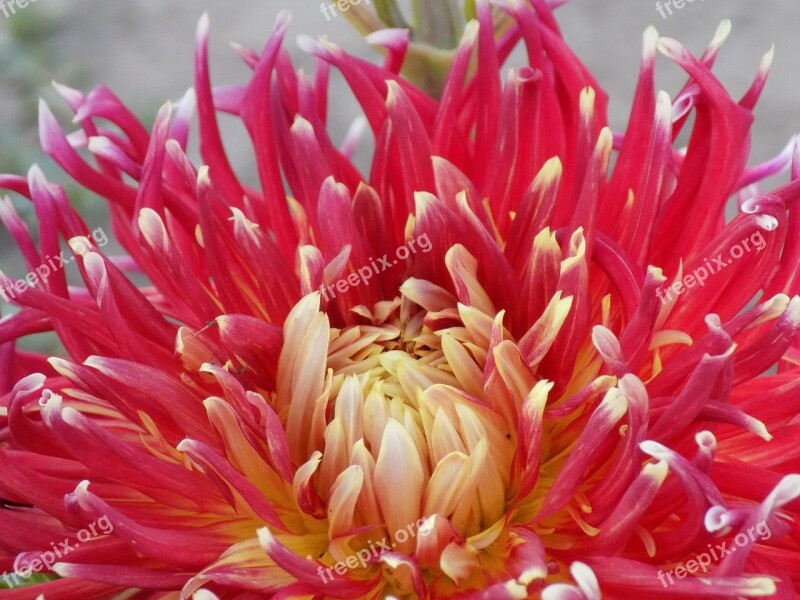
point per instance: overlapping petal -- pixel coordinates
(524, 408)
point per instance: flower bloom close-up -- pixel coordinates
(518, 354)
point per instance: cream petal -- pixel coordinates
(335, 457)
(444, 438)
(349, 408)
(344, 495)
(367, 511)
(399, 480)
(376, 415)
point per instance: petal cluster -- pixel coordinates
(535, 404)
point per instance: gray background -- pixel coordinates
(143, 50)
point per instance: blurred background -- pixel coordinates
(143, 51)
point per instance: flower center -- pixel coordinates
(409, 436)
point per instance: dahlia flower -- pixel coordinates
(547, 400)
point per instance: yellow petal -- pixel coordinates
(301, 370)
(239, 451)
(447, 485)
(458, 561)
(463, 269)
(428, 295)
(464, 367)
(444, 438)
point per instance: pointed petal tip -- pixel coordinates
(787, 490)
(760, 429)
(47, 121)
(30, 384)
(670, 47)
(470, 34)
(722, 33)
(654, 449)
(650, 39)
(767, 59)
(62, 89)
(58, 364)
(318, 47)
(283, 19)
(185, 445)
(265, 538)
(549, 174)
(81, 495)
(203, 177)
(35, 174)
(392, 91)
(606, 139)
(388, 37)
(203, 26)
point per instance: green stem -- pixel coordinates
(363, 19)
(427, 68)
(436, 28)
(390, 13)
(437, 23)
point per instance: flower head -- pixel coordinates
(560, 388)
